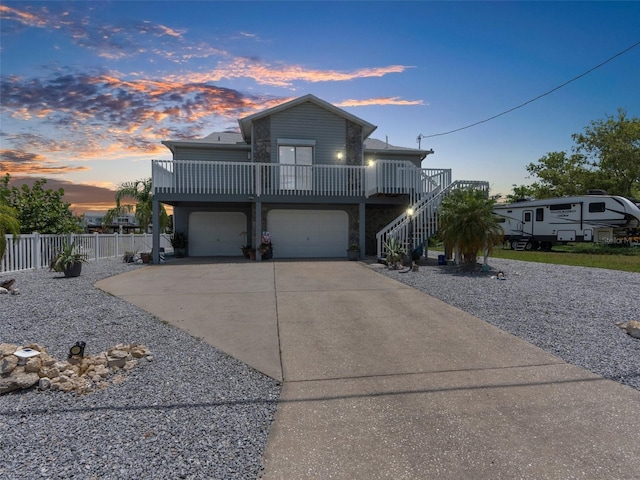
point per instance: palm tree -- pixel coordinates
(141, 192)
(467, 224)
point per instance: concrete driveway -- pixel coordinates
(383, 381)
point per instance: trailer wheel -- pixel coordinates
(513, 244)
(529, 246)
(535, 245)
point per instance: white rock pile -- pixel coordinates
(76, 374)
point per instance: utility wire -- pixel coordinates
(536, 98)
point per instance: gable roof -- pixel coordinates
(246, 122)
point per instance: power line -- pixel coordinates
(536, 98)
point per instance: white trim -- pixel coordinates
(296, 142)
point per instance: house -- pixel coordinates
(94, 222)
(305, 171)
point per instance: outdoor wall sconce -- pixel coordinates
(339, 156)
(77, 350)
(410, 212)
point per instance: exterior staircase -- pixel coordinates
(415, 226)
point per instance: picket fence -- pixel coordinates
(35, 251)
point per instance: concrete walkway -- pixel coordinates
(384, 381)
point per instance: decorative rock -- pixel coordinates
(33, 365)
(7, 349)
(18, 381)
(50, 372)
(8, 364)
(633, 328)
(79, 375)
(3, 290)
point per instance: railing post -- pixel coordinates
(37, 248)
(96, 250)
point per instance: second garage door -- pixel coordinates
(309, 233)
(216, 234)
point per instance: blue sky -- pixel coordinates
(90, 89)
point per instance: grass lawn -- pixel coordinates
(585, 255)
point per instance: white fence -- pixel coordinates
(34, 251)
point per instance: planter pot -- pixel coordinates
(353, 255)
(73, 271)
(246, 252)
(145, 257)
(178, 252)
(252, 254)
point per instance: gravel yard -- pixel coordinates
(568, 311)
(192, 412)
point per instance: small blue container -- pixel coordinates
(442, 260)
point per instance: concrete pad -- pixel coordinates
(547, 422)
(383, 381)
(230, 306)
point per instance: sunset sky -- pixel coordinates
(90, 89)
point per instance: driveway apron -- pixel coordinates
(383, 381)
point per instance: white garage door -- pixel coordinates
(309, 233)
(216, 234)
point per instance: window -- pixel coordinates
(596, 207)
(539, 214)
(295, 167)
(560, 206)
(527, 216)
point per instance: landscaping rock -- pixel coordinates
(80, 375)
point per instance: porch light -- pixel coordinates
(339, 156)
(410, 212)
(371, 163)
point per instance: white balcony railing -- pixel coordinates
(266, 179)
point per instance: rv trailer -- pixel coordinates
(534, 224)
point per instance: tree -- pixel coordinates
(40, 210)
(9, 223)
(612, 146)
(141, 192)
(606, 156)
(467, 224)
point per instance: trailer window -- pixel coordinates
(539, 214)
(560, 206)
(596, 207)
(527, 216)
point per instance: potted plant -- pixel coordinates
(266, 247)
(68, 261)
(145, 257)
(179, 243)
(353, 252)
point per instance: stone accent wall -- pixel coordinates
(353, 144)
(376, 218)
(262, 140)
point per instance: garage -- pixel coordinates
(216, 234)
(309, 233)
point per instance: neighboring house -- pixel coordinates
(305, 171)
(94, 222)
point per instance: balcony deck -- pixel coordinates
(187, 178)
